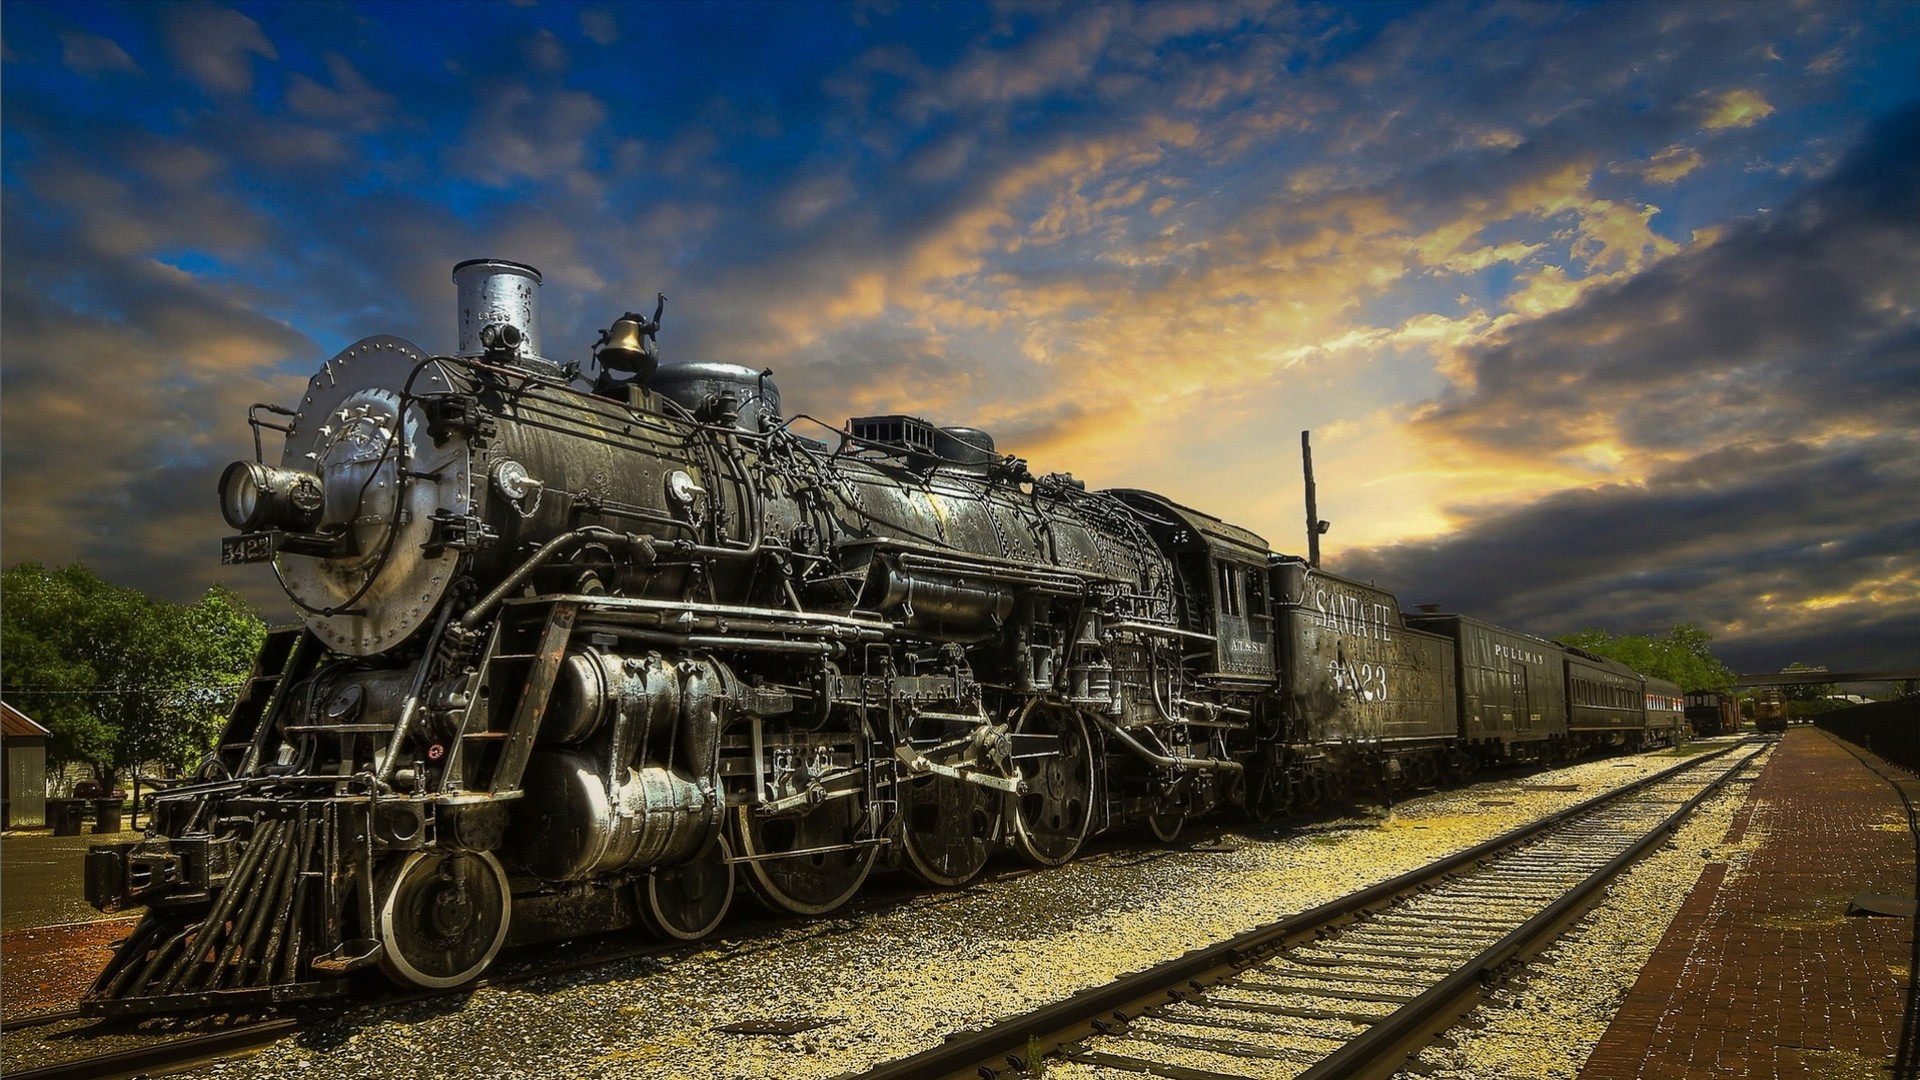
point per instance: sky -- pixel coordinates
(1601, 315)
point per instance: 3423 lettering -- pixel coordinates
(246, 548)
(1365, 680)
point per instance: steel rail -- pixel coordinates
(1002, 1047)
(170, 1056)
(1382, 1049)
(184, 1051)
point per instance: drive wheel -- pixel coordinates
(948, 828)
(686, 902)
(443, 917)
(809, 881)
(1052, 819)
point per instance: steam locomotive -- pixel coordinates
(578, 654)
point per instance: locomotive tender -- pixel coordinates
(574, 655)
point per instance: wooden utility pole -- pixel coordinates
(1314, 525)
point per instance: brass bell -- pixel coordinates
(625, 346)
(622, 348)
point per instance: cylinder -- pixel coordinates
(574, 825)
(964, 447)
(494, 292)
(642, 692)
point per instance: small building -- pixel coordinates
(24, 771)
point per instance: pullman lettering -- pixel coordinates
(1514, 652)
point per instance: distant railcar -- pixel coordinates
(1361, 682)
(1712, 712)
(1770, 710)
(1605, 702)
(1666, 713)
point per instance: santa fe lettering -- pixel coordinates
(1352, 616)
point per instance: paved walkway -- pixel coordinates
(42, 877)
(1764, 974)
(52, 942)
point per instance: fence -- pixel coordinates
(1888, 728)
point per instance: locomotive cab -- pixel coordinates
(1223, 588)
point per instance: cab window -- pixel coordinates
(1230, 586)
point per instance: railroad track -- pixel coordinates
(1351, 988)
(200, 1039)
(177, 1052)
(163, 1045)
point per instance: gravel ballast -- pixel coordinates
(1546, 1024)
(899, 970)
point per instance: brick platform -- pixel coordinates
(1764, 973)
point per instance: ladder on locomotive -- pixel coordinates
(517, 671)
(524, 652)
(287, 655)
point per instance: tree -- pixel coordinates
(1804, 699)
(1681, 657)
(119, 678)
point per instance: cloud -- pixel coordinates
(809, 199)
(1800, 319)
(116, 425)
(94, 56)
(113, 214)
(1126, 272)
(1054, 57)
(1671, 165)
(524, 133)
(1761, 399)
(1735, 109)
(546, 53)
(1742, 541)
(1147, 244)
(600, 26)
(215, 47)
(350, 104)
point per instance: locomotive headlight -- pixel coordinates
(256, 497)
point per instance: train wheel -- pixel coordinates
(1051, 820)
(1166, 827)
(810, 881)
(947, 828)
(1267, 795)
(443, 918)
(687, 901)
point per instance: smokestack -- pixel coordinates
(499, 308)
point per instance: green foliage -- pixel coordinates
(1036, 1058)
(1680, 657)
(117, 677)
